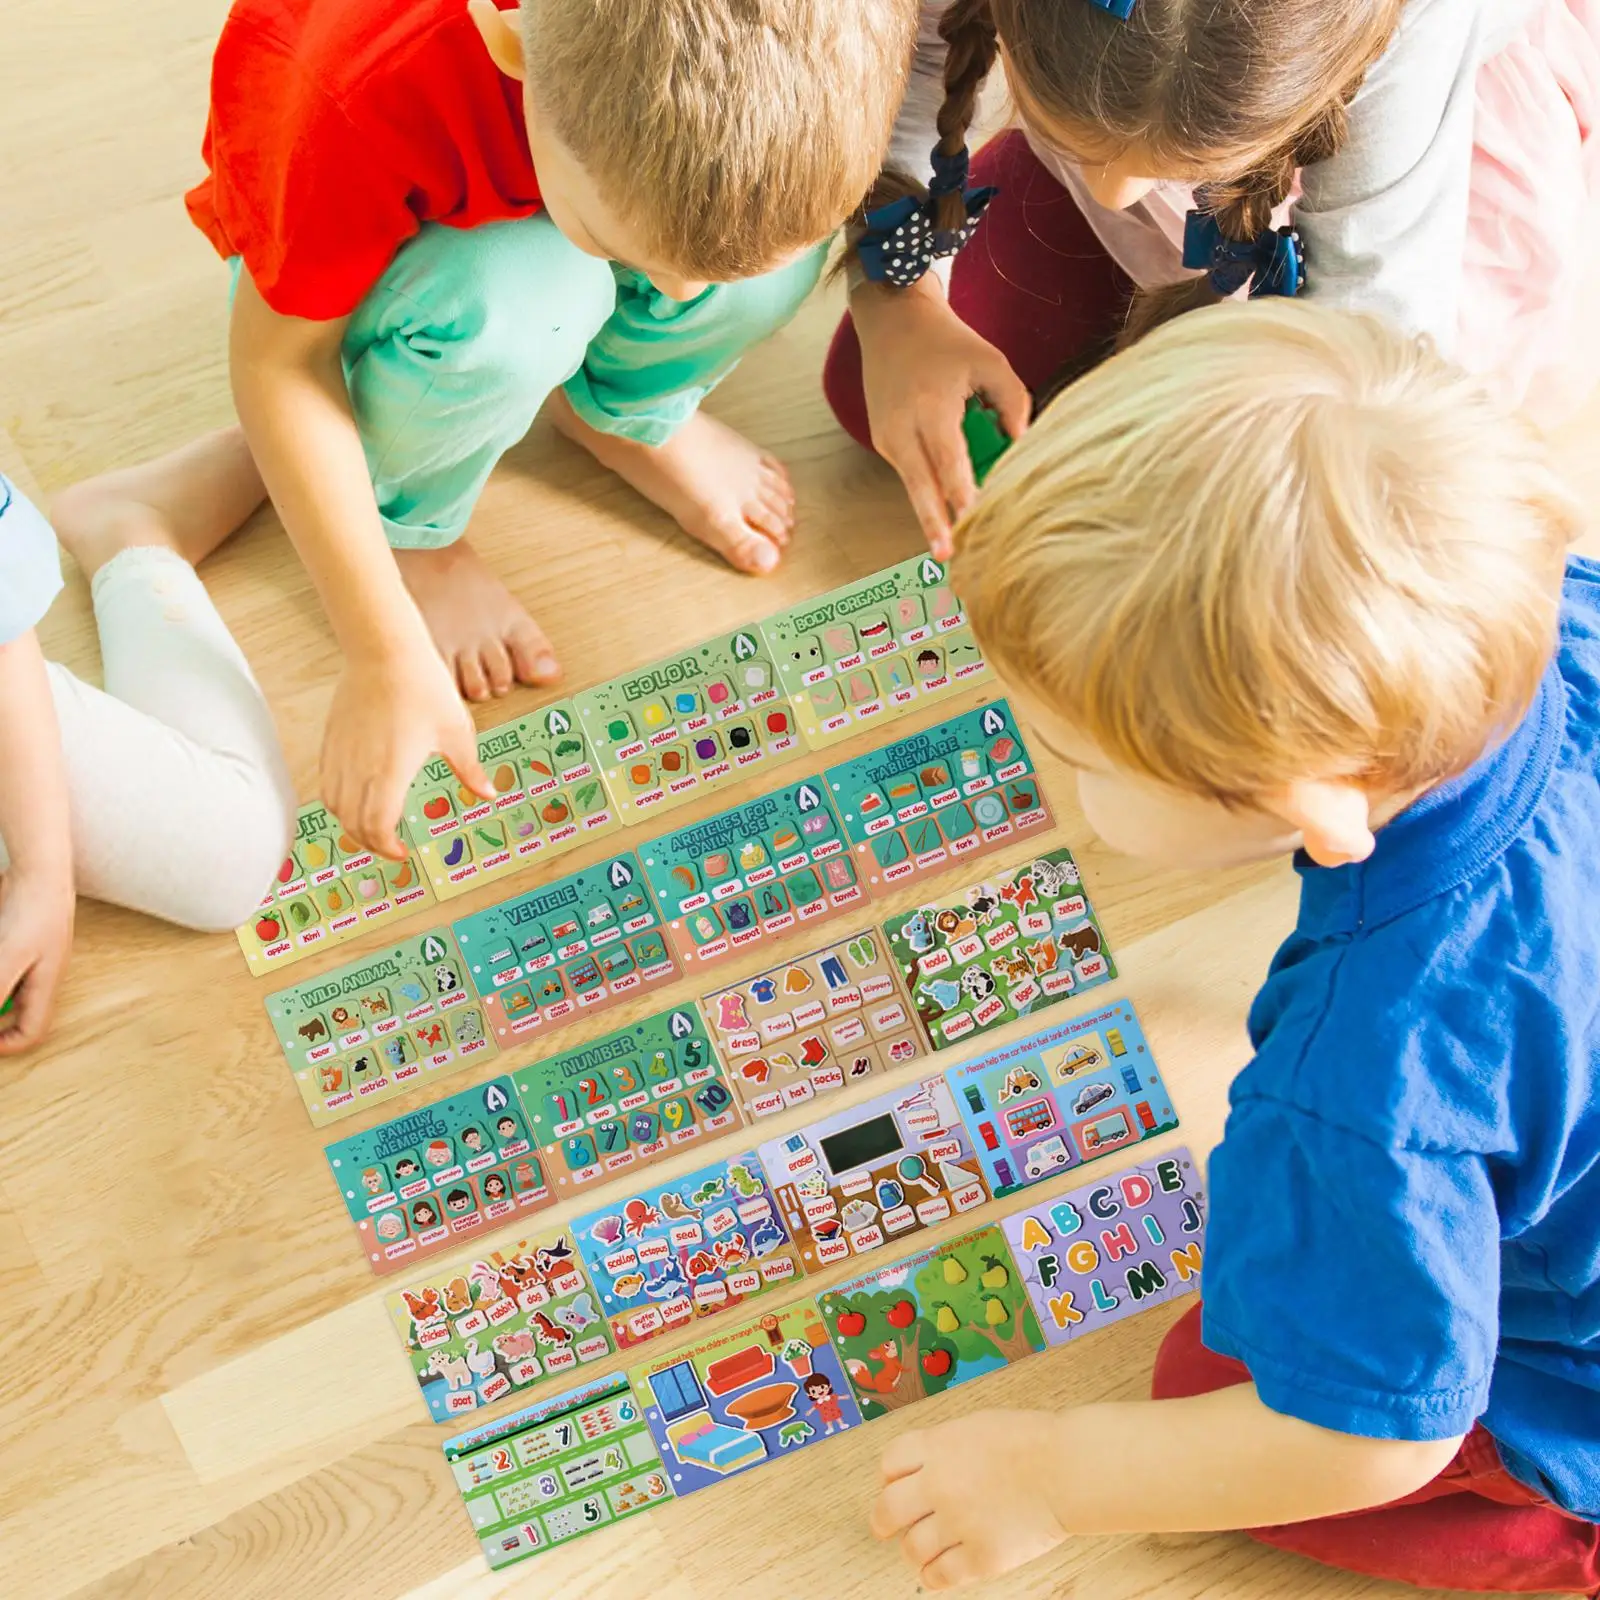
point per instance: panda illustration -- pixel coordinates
(977, 984)
(446, 980)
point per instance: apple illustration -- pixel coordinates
(268, 929)
(936, 1363)
(437, 807)
(852, 1323)
(901, 1314)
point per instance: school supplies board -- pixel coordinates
(625, 1100)
(873, 650)
(998, 950)
(437, 1177)
(697, 721)
(955, 790)
(515, 1317)
(548, 797)
(875, 1173)
(546, 1474)
(1051, 1102)
(814, 1024)
(706, 1242)
(932, 1320)
(744, 1396)
(761, 870)
(566, 949)
(363, 1033)
(327, 890)
(1102, 1252)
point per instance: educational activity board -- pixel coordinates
(999, 950)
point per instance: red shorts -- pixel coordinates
(1472, 1527)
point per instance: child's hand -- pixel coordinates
(969, 1499)
(388, 717)
(919, 363)
(36, 914)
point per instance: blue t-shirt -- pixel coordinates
(30, 563)
(1405, 1208)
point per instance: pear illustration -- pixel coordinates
(954, 1272)
(994, 1312)
(995, 1275)
(946, 1321)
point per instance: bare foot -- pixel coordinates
(719, 487)
(479, 626)
(189, 500)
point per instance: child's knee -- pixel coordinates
(243, 860)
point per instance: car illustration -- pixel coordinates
(1090, 1095)
(1049, 1155)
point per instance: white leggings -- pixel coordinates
(181, 804)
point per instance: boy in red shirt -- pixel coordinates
(443, 213)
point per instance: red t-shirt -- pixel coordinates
(338, 127)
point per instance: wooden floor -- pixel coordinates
(202, 1396)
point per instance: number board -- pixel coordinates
(627, 1099)
(366, 1032)
(547, 1474)
(566, 949)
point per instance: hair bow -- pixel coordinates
(903, 239)
(1120, 9)
(1271, 263)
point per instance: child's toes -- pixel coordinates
(532, 658)
(775, 477)
(470, 674)
(496, 662)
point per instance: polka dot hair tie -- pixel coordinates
(903, 239)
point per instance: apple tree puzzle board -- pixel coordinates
(328, 890)
(933, 1320)
(760, 870)
(1051, 1102)
(627, 1099)
(873, 1173)
(548, 797)
(546, 1474)
(955, 790)
(513, 1318)
(995, 951)
(696, 721)
(1099, 1253)
(372, 1029)
(873, 650)
(422, 1182)
(705, 1242)
(566, 949)
(813, 1025)
(746, 1396)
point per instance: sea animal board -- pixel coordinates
(955, 790)
(1101, 1252)
(753, 873)
(745, 1396)
(703, 1243)
(814, 1024)
(435, 1178)
(560, 1468)
(1071, 1094)
(327, 890)
(874, 1173)
(873, 650)
(548, 797)
(625, 1100)
(512, 1318)
(368, 1031)
(566, 949)
(697, 721)
(995, 951)
(921, 1325)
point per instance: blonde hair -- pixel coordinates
(733, 133)
(1273, 542)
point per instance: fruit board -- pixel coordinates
(557, 1469)
(703, 1243)
(1099, 1253)
(751, 874)
(515, 1317)
(744, 1396)
(959, 789)
(627, 1099)
(1068, 1095)
(874, 1173)
(566, 949)
(816, 1023)
(873, 650)
(995, 951)
(368, 1031)
(548, 797)
(422, 1182)
(327, 890)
